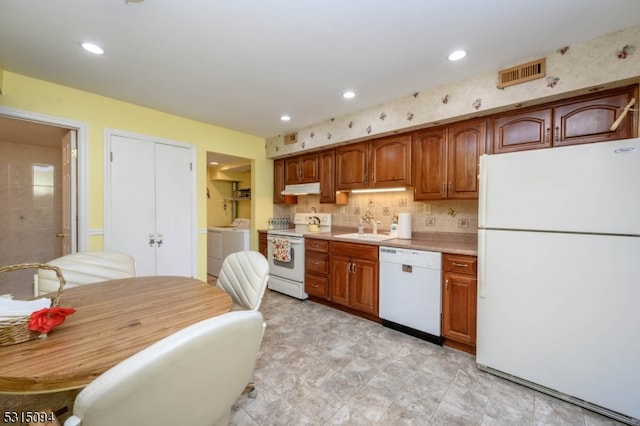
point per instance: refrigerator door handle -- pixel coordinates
(482, 285)
(482, 204)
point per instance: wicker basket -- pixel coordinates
(16, 329)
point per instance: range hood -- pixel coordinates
(302, 189)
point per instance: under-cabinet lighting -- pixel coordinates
(359, 191)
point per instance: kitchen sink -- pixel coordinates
(366, 237)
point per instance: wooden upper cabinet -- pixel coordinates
(381, 163)
(278, 181)
(301, 169)
(352, 166)
(390, 161)
(590, 120)
(525, 130)
(291, 173)
(580, 120)
(430, 164)
(327, 172)
(446, 161)
(466, 141)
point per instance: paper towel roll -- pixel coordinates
(404, 225)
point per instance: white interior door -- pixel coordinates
(173, 210)
(69, 159)
(150, 205)
(132, 207)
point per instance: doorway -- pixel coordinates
(38, 197)
(228, 188)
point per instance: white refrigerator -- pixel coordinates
(559, 273)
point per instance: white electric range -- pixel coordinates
(285, 253)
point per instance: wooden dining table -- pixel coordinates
(113, 320)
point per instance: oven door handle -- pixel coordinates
(289, 241)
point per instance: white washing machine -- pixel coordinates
(223, 240)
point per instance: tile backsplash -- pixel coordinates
(432, 216)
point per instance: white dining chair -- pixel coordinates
(84, 268)
(244, 276)
(192, 377)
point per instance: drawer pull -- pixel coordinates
(460, 265)
(314, 285)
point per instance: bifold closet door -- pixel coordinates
(150, 214)
(173, 210)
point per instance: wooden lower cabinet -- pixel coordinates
(459, 301)
(354, 276)
(316, 267)
(343, 275)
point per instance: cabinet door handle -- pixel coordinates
(557, 133)
(365, 178)
(373, 178)
(444, 188)
(547, 135)
(450, 186)
(460, 265)
(446, 284)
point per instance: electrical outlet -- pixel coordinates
(463, 223)
(426, 209)
(431, 221)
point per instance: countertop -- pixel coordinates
(444, 242)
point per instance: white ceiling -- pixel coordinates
(240, 64)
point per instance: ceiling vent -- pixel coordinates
(521, 73)
(290, 138)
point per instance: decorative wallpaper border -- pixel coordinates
(571, 70)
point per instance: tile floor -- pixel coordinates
(320, 366)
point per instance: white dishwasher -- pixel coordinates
(411, 292)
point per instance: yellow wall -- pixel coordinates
(98, 112)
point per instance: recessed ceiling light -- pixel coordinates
(285, 118)
(348, 94)
(457, 55)
(93, 48)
